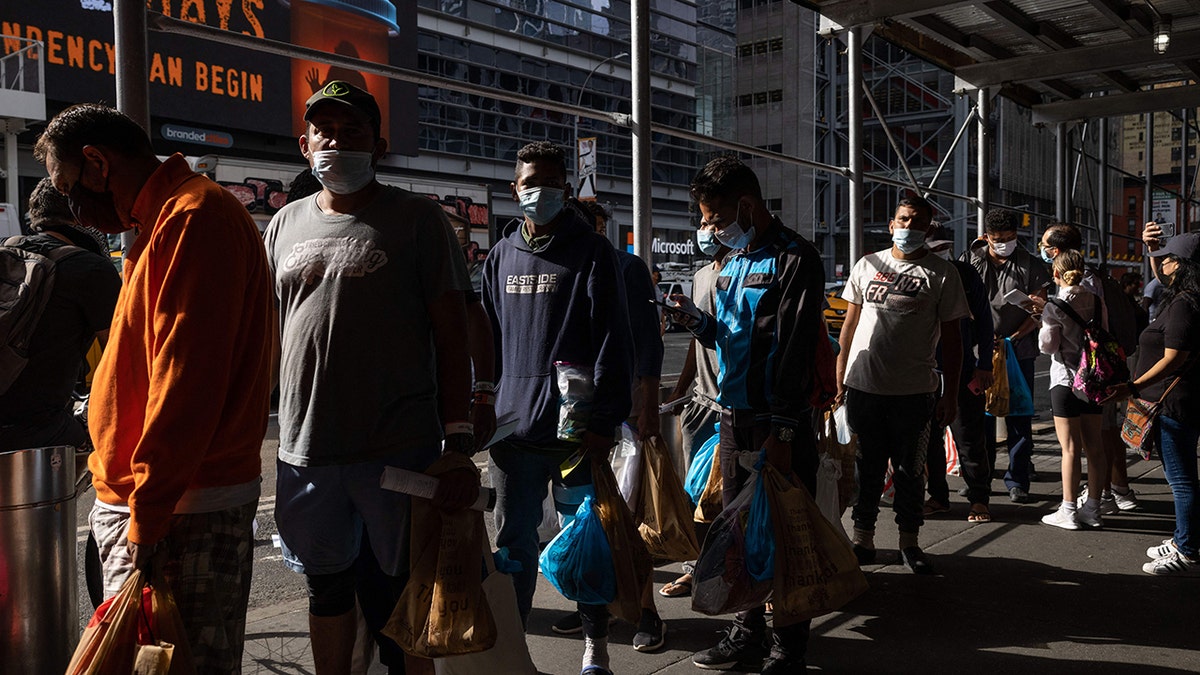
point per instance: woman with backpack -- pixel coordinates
(1076, 421)
(1166, 373)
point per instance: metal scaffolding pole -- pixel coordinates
(983, 164)
(1183, 172)
(854, 120)
(642, 188)
(1148, 195)
(1103, 220)
(1060, 172)
(133, 70)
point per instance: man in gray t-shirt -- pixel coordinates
(374, 371)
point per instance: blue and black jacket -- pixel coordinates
(768, 318)
(563, 301)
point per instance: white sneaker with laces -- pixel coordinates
(1127, 501)
(1174, 563)
(1108, 505)
(1166, 548)
(1089, 515)
(1063, 517)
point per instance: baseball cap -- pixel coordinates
(938, 236)
(345, 93)
(1185, 246)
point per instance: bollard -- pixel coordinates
(38, 596)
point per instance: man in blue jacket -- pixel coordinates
(769, 296)
(553, 292)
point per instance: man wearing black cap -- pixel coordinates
(35, 408)
(374, 372)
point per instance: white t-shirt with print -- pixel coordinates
(903, 305)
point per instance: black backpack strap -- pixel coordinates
(1069, 311)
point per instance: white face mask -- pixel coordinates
(343, 172)
(541, 204)
(734, 235)
(1004, 248)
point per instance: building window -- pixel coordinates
(1132, 207)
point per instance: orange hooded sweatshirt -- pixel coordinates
(180, 397)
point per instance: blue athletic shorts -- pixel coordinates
(321, 511)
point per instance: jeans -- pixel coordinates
(742, 431)
(1178, 443)
(969, 436)
(520, 477)
(1020, 439)
(892, 428)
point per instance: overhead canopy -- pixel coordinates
(1066, 59)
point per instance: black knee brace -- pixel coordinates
(330, 594)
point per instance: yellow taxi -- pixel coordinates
(835, 310)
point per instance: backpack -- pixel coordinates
(1123, 323)
(1101, 360)
(26, 282)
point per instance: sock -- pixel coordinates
(1092, 503)
(864, 538)
(1120, 489)
(1106, 494)
(908, 540)
(595, 652)
(1069, 506)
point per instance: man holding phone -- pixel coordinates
(1005, 267)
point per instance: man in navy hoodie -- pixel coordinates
(553, 292)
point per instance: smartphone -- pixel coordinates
(1168, 230)
(664, 305)
(1017, 297)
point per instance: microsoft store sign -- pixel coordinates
(673, 247)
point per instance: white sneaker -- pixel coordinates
(1089, 516)
(1108, 505)
(1166, 548)
(1062, 517)
(1127, 501)
(1172, 564)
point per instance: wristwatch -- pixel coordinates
(460, 442)
(785, 434)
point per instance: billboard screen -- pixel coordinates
(214, 85)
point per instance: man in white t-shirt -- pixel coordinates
(902, 302)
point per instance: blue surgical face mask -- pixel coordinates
(541, 204)
(1046, 257)
(734, 235)
(907, 239)
(707, 241)
(343, 172)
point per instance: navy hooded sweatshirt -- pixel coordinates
(562, 302)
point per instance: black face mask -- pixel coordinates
(94, 209)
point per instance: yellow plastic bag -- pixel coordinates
(443, 610)
(630, 558)
(666, 526)
(815, 569)
(711, 502)
(996, 397)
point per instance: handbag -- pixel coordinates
(1141, 416)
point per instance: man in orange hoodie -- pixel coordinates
(179, 400)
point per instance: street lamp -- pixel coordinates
(579, 104)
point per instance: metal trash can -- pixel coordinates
(39, 626)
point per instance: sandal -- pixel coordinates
(979, 514)
(933, 506)
(679, 588)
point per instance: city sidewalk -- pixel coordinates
(1011, 596)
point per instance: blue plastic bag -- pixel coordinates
(1020, 398)
(697, 475)
(760, 534)
(579, 562)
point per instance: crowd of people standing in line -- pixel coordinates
(360, 319)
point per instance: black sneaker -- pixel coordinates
(568, 625)
(779, 663)
(740, 649)
(916, 560)
(651, 633)
(865, 556)
(1019, 495)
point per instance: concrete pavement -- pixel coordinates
(1009, 596)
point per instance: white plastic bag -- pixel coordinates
(828, 473)
(627, 467)
(843, 426)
